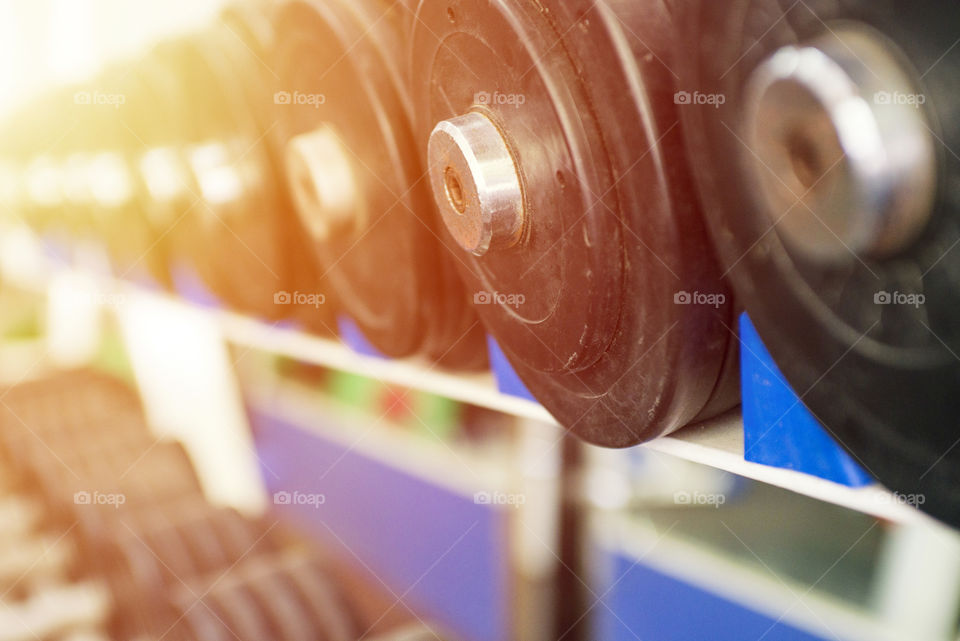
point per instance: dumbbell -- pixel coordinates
(76, 435)
(99, 480)
(832, 197)
(67, 412)
(285, 596)
(345, 116)
(56, 412)
(235, 238)
(189, 537)
(155, 549)
(22, 440)
(95, 390)
(85, 184)
(250, 40)
(554, 155)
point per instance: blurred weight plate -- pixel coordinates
(113, 181)
(232, 237)
(156, 121)
(832, 195)
(94, 483)
(358, 182)
(256, 594)
(558, 166)
(51, 140)
(251, 40)
(158, 547)
(66, 410)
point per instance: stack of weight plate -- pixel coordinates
(590, 160)
(345, 117)
(104, 501)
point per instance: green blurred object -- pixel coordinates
(112, 357)
(439, 417)
(354, 390)
(420, 412)
(22, 316)
(26, 328)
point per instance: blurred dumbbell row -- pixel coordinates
(107, 535)
(291, 162)
(199, 168)
(288, 163)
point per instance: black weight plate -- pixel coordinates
(881, 379)
(251, 40)
(235, 244)
(386, 266)
(585, 307)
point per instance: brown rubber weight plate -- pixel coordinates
(385, 264)
(251, 25)
(236, 246)
(613, 234)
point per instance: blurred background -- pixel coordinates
(46, 43)
(176, 464)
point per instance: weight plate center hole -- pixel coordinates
(454, 190)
